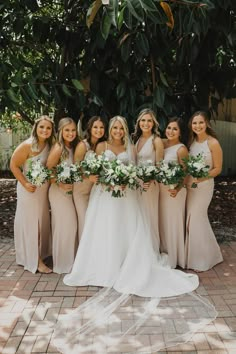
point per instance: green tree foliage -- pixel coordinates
(82, 57)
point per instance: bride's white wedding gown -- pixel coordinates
(116, 249)
(116, 252)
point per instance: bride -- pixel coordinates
(116, 252)
(116, 246)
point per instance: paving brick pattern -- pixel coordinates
(31, 303)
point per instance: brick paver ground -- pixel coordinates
(31, 303)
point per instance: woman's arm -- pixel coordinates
(217, 157)
(18, 158)
(80, 152)
(101, 147)
(53, 161)
(182, 153)
(54, 156)
(159, 149)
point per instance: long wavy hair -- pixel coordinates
(34, 136)
(88, 135)
(124, 124)
(137, 130)
(61, 125)
(209, 129)
(179, 122)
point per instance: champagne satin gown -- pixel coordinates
(81, 193)
(172, 217)
(202, 249)
(32, 232)
(64, 226)
(149, 200)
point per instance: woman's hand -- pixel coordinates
(146, 185)
(66, 187)
(29, 187)
(173, 192)
(93, 178)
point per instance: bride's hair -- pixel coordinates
(124, 124)
(137, 130)
(62, 123)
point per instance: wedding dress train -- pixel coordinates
(142, 293)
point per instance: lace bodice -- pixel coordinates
(202, 148)
(122, 156)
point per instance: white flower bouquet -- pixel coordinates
(146, 171)
(116, 176)
(37, 173)
(196, 167)
(68, 173)
(170, 173)
(93, 164)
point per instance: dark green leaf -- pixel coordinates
(142, 43)
(11, 94)
(66, 90)
(159, 96)
(105, 25)
(44, 90)
(77, 84)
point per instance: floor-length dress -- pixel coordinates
(116, 252)
(32, 221)
(64, 226)
(172, 217)
(202, 249)
(149, 200)
(116, 241)
(81, 192)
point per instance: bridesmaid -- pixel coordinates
(202, 249)
(149, 147)
(64, 219)
(95, 133)
(172, 201)
(32, 221)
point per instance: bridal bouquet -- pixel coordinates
(37, 174)
(196, 167)
(170, 173)
(116, 176)
(93, 164)
(68, 173)
(146, 171)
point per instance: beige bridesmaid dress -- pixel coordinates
(149, 200)
(64, 227)
(81, 193)
(172, 217)
(32, 232)
(202, 249)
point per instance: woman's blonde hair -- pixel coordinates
(137, 130)
(209, 129)
(34, 136)
(124, 124)
(61, 125)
